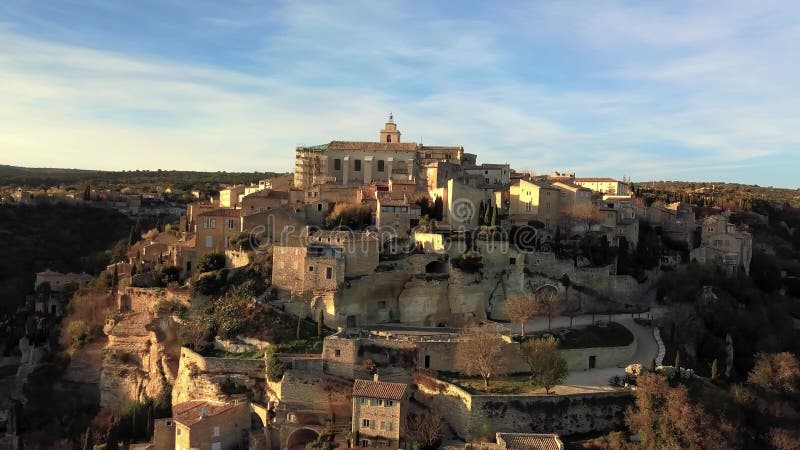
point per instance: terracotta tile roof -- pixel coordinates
(530, 441)
(592, 180)
(379, 389)
(269, 193)
(222, 212)
(188, 413)
(389, 202)
(373, 146)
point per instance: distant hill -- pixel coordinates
(47, 177)
(717, 193)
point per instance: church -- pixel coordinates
(359, 163)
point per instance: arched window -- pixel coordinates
(388, 138)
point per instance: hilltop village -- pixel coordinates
(385, 294)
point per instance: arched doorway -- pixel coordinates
(300, 437)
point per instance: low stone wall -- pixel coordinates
(578, 359)
(469, 415)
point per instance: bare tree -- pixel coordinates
(548, 367)
(548, 304)
(425, 428)
(480, 352)
(521, 309)
(779, 373)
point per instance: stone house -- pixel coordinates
(491, 174)
(379, 412)
(264, 200)
(58, 280)
(230, 197)
(216, 229)
(402, 190)
(299, 267)
(573, 198)
(207, 425)
(534, 200)
(724, 244)
(396, 217)
(361, 251)
(603, 185)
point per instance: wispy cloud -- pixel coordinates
(654, 91)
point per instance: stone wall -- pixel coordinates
(469, 415)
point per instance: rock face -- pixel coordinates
(223, 379)
(140, 360)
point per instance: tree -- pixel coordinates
(211, 262)
(480, 352)
(425, 428)
(548, 304)
(195, 334)
(352, 216)
(493, 221)
(678, 361)
(777, 373)
(521, 309)
(714, 370)
(665, 418)
(320, 323)
(548, 367)
(438, 209)
(275, 367)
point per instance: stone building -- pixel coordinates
(379, 412)
(529, 441)
(396, 217)
(534, 200)
(264, 200)
(603, 185)
(218, 228)
(206, 425)
(573, 198)
(724, 244)
(361, 251)
(358, 163)
(491, 174)
(299, 267)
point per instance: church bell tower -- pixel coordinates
(390, 133)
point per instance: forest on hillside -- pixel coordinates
(719, 194)
(143, 180)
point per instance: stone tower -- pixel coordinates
(390, 133)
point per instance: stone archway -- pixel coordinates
(300, 437)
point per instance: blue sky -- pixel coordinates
(652, 90)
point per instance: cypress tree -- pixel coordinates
(653, 365)
(299, 324)
(714, 370)
(320, 323)
(87, 439)
(494, 217)
(487, 217)
(678, 361)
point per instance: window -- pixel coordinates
(512, 261)
(227, 241)
(319, 206)
(216, 446)
(209, 222)
(337, 164)
(365, 423)
(230, 224)
(380, 165)
(209, 241)
(388, 403)
(310, 268)
(388, 138)
(337, 353)
(328, 273)
(378, 402)
(169, 423)
(216, 431)
(357, 163)
(178, 431)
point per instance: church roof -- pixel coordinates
(364, 146)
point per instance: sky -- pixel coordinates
(650, 90)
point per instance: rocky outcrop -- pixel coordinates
(140, 359)
(223, 379)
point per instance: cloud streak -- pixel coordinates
(651, 92)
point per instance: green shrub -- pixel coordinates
(211, 262)
(275, 367)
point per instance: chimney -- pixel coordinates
(375, 377)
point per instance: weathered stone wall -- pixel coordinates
(563, 414)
